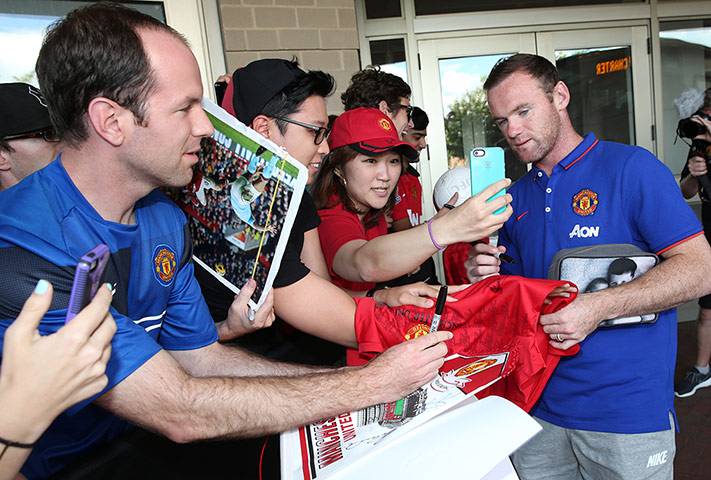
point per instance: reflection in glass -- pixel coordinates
(429, 7)
(686, 63)
(467, 120)
(382, 9)
(600, 84)
(390, 56)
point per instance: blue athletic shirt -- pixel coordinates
(45, 226)
(622, 379)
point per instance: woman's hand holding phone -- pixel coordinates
(43, 375)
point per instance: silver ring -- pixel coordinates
(557, 336)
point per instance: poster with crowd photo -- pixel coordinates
(329, 446)
(241, 203)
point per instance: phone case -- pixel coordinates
(596, 267)
(87, 277)
(486, 166)
(220, 89)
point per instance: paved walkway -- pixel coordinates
(693, 443)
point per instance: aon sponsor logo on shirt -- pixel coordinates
(584, 231)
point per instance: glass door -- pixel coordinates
(453, 72)
(607, 71)
(608, 74)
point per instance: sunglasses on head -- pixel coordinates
(48, 135)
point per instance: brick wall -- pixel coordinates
(320, 33)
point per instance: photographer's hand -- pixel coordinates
(697, 166)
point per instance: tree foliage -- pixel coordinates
(469, 124)
(29, 77)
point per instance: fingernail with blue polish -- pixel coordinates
(41, 287)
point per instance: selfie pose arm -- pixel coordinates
(390, 256)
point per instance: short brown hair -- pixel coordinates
(371, 86)
(95, 51)
(535, 65)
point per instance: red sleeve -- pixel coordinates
(367, 330)
(337, 228)
(454, 257)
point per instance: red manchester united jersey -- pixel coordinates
(497, 314)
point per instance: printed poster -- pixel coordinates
(241, 203)
(330, 445)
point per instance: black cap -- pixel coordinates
(22, 109)
(253, 86)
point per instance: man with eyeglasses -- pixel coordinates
(27, 139)
(374, 88)
(287, 105)
(283, 103)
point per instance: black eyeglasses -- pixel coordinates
(320, 132)
(409, 109)
(47, 135)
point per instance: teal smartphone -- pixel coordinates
(486, 166)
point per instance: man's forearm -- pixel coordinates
(682, 276)
(218, 360)
(186, 408)
(268, 405)
(161, 396)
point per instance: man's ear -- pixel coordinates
(110, 120)
(260, 124)
(4, 160)
(561, 96)
(383, 106)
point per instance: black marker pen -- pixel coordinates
(439, 307)
(501, 256)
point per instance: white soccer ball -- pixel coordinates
(456, 180)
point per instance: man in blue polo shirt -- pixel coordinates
(606, 412)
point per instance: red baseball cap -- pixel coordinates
(368, 131)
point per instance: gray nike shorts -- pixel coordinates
(567, 454)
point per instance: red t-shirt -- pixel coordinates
(339, 227)
(454, 257)
(408, 199)
(495, 315)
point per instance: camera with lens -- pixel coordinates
(687, 128)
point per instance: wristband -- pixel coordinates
(17, 444)
(370, 292)
(429, 229)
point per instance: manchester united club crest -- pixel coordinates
(164, 264)
(585, 202)
(416, 331)
(385, 124)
